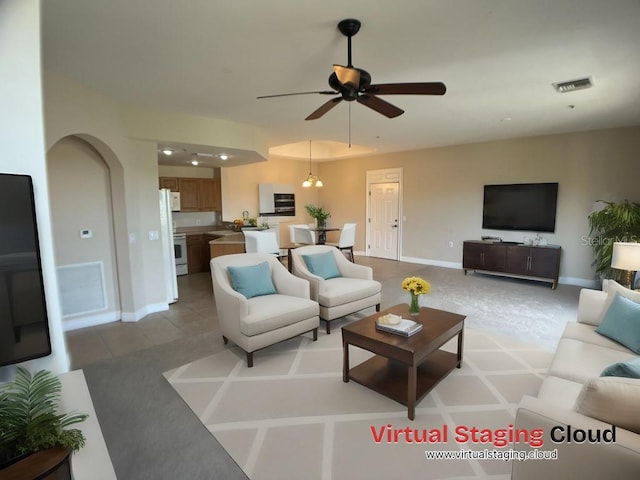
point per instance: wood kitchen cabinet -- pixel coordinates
(170, 182)
(196, 194)
(195, 258)
(534, 262)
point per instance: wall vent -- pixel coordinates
(82, 289)
(570, 86)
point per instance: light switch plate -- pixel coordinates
(154, 235)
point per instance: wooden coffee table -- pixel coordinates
(404, 369)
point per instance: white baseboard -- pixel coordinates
(435, 263)
(90, 320)
(110, 317)
(579, 282)
(144, 311)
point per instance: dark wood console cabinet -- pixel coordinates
(519, 260)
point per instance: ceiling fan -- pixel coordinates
(352, 83)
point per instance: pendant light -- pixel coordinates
(311, 180)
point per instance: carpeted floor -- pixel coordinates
(291, 416)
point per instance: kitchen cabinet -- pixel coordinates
(170, 182)
(523, 261)
(196, 194)
(195, 257)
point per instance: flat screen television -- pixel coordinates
(520, 206)
(24, 326)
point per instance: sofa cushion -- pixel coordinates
(611, 287)
(621, 322)
(613, 400)
(560, 392)
(341, 290)
(322, 264)
(253, 280)
(579, 361)
(587, 333)
(630, 369)
(270, 312)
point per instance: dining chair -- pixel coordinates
(347, 240)
(266, 241)
(300, 234)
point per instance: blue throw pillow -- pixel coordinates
(630, 369)
(622, 323)
(322, 264)
(252, 281)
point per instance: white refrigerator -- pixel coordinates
(168, 252)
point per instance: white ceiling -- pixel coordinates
(498, 59)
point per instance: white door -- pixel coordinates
(383, 220)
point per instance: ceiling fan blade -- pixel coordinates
(323, 92)
(347, 75)
(324, 108)
(425, 88)
(380, 106)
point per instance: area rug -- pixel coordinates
(292, 417)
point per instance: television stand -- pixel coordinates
(512, 259)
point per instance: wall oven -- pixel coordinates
(284, 204)
(180, 251)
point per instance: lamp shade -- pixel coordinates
(626, 256)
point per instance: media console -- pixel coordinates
(514, 260)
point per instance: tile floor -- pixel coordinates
(193, 314)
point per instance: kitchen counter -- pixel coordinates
(231, 242)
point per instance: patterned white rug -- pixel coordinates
(292, 417)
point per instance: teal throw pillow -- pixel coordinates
(252, 281)
(322, 264)
(621, 323)
(630, 369)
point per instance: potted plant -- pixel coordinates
(29, 417)
(319, 214)
(616, 222)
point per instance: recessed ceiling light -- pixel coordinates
(223, 156)
(195, 163)
(167, 151)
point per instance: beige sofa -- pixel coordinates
(573, 394)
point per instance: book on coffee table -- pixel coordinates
(405, 327)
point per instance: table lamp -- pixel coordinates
(626, 256)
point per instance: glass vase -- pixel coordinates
(414, 306)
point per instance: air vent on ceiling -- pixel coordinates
(580, 84)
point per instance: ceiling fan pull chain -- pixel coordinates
(349, 124)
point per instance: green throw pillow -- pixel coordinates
(322, 264)
(621, 323)
(252, 281)
(630, 369)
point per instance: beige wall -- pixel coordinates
(80, 191)
(443, 189)
(240, 189)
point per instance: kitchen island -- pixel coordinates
(230, 242)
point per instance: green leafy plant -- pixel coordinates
(29, 417)
(616, 222)
(319, 213)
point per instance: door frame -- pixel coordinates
(386, 175)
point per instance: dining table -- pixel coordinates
(322, 233)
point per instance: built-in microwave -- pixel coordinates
(276, 200)
(284, 204)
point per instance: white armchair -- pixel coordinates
(353, 290)
(260, 321)
(301, 235)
